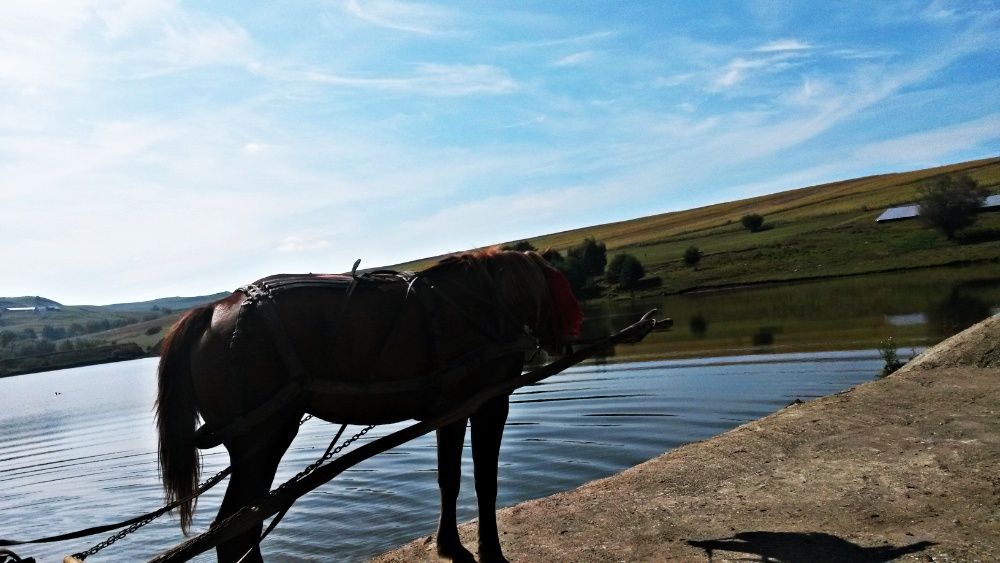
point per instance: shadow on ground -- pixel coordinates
(804, 547)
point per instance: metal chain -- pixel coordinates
(323, 459)
(312, 467)
(111, 540)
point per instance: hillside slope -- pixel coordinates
(814, 232)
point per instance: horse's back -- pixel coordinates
(359, 354)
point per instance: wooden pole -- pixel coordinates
(279, 500)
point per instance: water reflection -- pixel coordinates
(960, 310)
(698, 325)
(915, 308)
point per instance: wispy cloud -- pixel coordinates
(739, 69)
(298, 243)
(783, 45)
(410, 17)
(575, 59)
(446, 80)
(52, 47)
(572, 40)
(934, 144)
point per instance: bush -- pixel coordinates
(573, 269)
(692, 255)
(593, 256)
(887, 349)
(951, 205)
(752, 222)
(50, 332)
(153, 330)
(520, 246)
(625, 270)
(552, 256)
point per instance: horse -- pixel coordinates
(360, 349)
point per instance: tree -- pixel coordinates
(520, 246)
(552, 256)
(625, 270)
(951, 205)
(593, 256)
(6, 338)
(50, 332)
(692, 255)
(752, 222)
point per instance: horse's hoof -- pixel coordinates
(491, 556)
(454, 551)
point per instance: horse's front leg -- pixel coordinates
(487, 432)
(450, 440)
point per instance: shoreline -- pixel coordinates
(903, 467)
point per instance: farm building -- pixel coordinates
(991, 203)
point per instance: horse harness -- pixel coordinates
(261, 298)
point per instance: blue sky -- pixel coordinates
(153, 148)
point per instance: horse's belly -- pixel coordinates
(366, 408)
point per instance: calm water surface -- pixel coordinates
(78, 448)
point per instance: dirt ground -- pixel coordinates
(905, 468)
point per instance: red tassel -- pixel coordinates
(568, 315)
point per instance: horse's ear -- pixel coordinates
(566, 309)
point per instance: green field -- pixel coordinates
(813, 233)
(818, 232)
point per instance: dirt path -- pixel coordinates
(907, 467)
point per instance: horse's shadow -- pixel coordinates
(802, 547)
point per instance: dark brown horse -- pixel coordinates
(356, 350)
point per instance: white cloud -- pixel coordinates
(561, 41)
(411, 17)
(297, 243)
(491, 220)
(934, 144)
(783, 45)
(448, 80)
(575, 59)
(53, 46)
(738, 69)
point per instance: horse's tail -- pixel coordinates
(176, 413)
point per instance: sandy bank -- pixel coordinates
(907, 467)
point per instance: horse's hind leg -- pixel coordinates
(255, 459)
(450, 440)
(487, 431)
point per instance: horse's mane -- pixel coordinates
(527, 280)
(469, 258)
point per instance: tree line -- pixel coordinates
(586, 264)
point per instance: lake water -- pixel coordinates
(88, 455)
(78, 447)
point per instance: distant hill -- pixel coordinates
(173, 303)
(28, 301)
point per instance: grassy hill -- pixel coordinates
(819, 231)
(55, 336)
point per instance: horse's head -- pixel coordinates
(538, 295)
